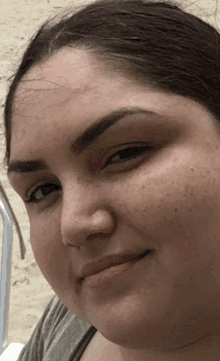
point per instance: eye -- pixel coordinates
(128, 153)
(41, 192)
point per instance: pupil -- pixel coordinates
(47, 189)
(129, 152)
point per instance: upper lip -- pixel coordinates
(106, 262)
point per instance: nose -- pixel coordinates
(85, 216)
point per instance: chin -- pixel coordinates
(139, 327)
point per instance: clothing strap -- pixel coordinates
(77, 353)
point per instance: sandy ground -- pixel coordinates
(30, 292)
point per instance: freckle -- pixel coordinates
(190, 210)
(176, 209)
(192, 169)
(216, 147)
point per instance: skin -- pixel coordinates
(165, 200)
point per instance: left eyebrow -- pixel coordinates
(84, 141)
(94, 132)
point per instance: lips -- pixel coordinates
(109, 261)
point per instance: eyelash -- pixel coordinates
(139, 149)
(30, 198)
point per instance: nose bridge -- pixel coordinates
(84, 212)
(80, 196)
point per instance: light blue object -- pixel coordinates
(5, 274)
(8, 218)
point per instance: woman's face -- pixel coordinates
(108, 168)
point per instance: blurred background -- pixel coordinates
(19, 19)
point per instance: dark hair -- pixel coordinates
(153, 42)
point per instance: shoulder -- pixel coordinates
(56, 335)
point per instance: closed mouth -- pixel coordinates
(141, 255)
(107, 262)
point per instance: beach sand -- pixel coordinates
(30, 292)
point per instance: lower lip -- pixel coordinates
(113, 274)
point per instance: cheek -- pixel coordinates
(162, 204)
(46, 245)
(179, 220)
(182, 224)
(55, 262)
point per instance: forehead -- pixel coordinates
(60, 67)
(70, 88)
(70, 76)
(66, 93)
(69, 72)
